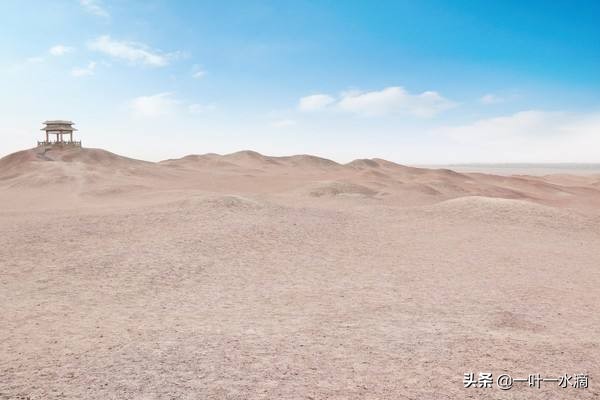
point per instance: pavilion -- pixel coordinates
(59, 128)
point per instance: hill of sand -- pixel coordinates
(85, 174)
(246, 276)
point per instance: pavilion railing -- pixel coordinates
(65, 143)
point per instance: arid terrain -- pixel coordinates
(244, 276)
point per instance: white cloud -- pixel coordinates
(84, 71)
(283, 123)
(394, 100)
(490, 98)
(60, 50)
(197, 108)
(34, 60)
(519, 125)
(315, 102)
(135, 53)
(165, 105)
(28, 62)
(156, 105)
(94, 7)
(390, 100)
(198, 74)
(529, 136)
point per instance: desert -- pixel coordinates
(299, 200)
(246, 276)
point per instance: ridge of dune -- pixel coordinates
(198, 161)
(361, 163)
(400, 170)
(491, 206)
(67, 154)
(297, 160)
(250, 158)
(509, 211)
(307, 160)
(486, 202)
(100, 172)
(389, 164)
(18, 159)
(74, 169)
(379, 163)
(448, 173)
(190, 158)
(338, 188)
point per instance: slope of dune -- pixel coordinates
(246, 276)
(336, 188)
(66, 175)
(248, 158)
(22, 161)
(209, 160)
(500, 210)
(19, 159)
(363, 163)
(99, 173)
(308, 161)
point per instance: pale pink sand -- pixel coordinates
(252, 277)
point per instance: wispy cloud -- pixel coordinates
(394, 100)
(529, 136)
(390, 100)
(153, 106)
(94, 7)
(519, 125)
(54, 51)
(315, 102)
(491, 98)
(34, 60)
(165, 104)
(134, 53)
(60, 50)
(88, 70)
(197, 108)
(198, 72)
(283, 123)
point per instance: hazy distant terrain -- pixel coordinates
(525, 169)
(245, 276)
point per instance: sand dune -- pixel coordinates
(333, 188)
(199, 161)
(502, 211)
(95, 171)
(96, 157)
(247, 276)
(252, 159)
(64, 164)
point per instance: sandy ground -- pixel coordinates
(253, 277)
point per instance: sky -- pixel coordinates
(416, 82)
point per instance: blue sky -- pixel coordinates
(414, 82)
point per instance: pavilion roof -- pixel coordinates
(59, 121)
(59, 126)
